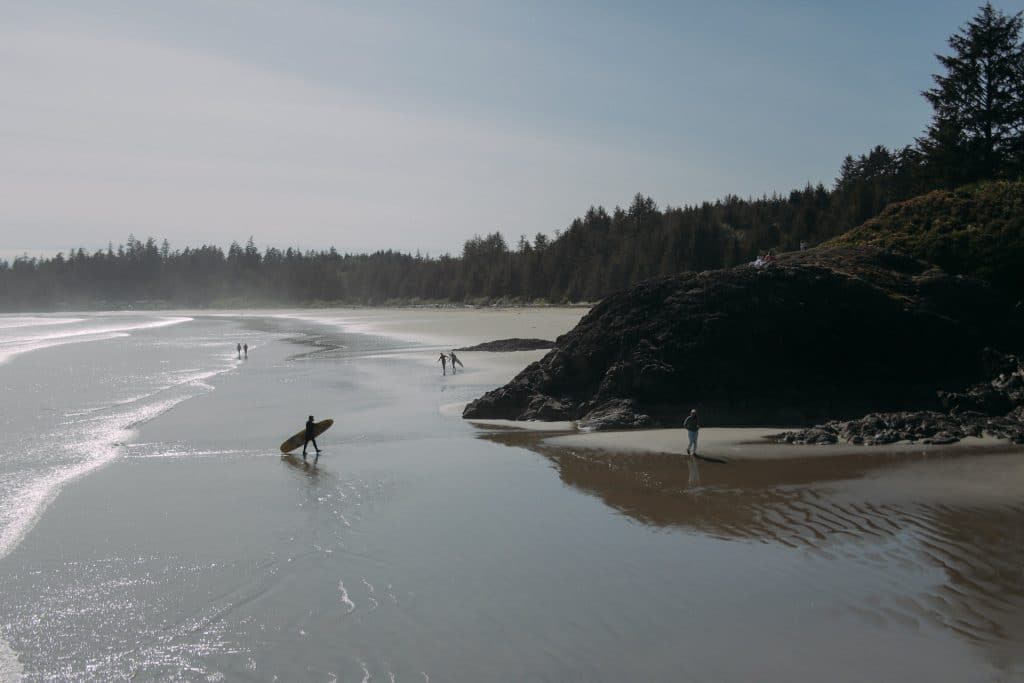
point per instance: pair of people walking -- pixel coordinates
(242, 348)
(443, 360)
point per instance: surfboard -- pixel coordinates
(300, 438)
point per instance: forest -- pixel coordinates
(976, 134)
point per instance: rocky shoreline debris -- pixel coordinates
(994, 408)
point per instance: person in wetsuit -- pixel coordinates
(443, 360)
(310, 433)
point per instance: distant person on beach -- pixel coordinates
(455, 361)
(691, 425)
(443, 360)
(803, 245)
(310, 433)
(245, 349)
(239, 347)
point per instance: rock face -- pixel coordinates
(515, 344)
(993, 407)
(824, 334)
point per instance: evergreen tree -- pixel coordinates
(977, 128)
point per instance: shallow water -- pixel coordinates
(152, 531)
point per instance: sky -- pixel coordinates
(416, 125)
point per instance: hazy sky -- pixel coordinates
(414, 125)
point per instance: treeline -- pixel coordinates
(976, 133)
(599, 253)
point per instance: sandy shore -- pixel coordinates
(746, 443)
(449, 328)
(731, 443)
(426, 546)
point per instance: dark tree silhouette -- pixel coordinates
(977, 129)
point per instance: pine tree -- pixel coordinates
(977, 128)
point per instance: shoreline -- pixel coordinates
(731, 443)
(241, 309)
(202, 549)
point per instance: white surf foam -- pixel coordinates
(98, 443)
(21, 342)
(345, 600)
(12, 322)
(11, 669)
(89, 443)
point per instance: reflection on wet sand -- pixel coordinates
(303, 465)
(884, 513)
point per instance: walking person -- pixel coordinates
(691, 424)
(455, 361)
(443, 360)
(239, 348)
(245, 349)
(310, 434)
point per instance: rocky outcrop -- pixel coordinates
(833, 333)
(994, 407)
(515, 344)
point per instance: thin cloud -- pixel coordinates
(105, 134)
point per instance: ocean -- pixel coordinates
(150, 529)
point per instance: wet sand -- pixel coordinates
(422, 546)
(754, 443)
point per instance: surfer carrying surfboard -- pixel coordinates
(310, 436)
(454, 361)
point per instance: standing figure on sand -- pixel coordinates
(238, 348)
(443, 360)
(691, 424)
(245, 349)
(455, 361)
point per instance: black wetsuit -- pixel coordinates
(310, 433)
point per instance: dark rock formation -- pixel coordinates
(515, 344)
(824, 334)
(993, 407)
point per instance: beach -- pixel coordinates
(151, 529)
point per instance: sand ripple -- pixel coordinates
(940, 543)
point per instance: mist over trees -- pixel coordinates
(976, 133)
